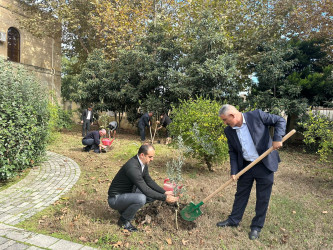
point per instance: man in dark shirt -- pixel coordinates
(164, 122)
(144, 122)
(132, 187)
(92, 141)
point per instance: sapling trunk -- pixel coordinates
(176, 211)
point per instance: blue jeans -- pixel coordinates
(129, 203)
(90, 143)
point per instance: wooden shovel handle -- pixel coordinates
(262, 156)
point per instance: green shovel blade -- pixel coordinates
(191, 211)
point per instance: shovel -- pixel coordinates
(192, 211)
(152, 141)
(151, 136)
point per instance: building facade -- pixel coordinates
(41, 56)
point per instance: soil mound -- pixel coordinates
(163, 215)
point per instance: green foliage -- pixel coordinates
(197, 122)
(174, 167)
(318, 135)
(24, 119)
(59, 119)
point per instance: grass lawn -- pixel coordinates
(299, 215)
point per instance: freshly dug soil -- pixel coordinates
(162, 214)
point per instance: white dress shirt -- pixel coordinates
(249, 150)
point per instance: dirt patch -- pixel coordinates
(161, 214)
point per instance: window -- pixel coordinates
(13, 45)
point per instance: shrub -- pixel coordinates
(59, 119)
(23, 119)
(197, 122)
(318, 135)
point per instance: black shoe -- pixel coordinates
(226, 223)
(86, 149)
(126, 225)
(254, 234)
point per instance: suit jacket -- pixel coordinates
(144, 121)
(85, 114)
(258, 123)
(130, 177)
(93, 135)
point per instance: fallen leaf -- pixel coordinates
(82, 238)
(141, 242)
(184, 242)
(169, 241)
(294, 212)
(118, 244)
(80, 201)
(126, 245)
(324, 212)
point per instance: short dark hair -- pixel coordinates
(145, 148)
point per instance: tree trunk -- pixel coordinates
(208, 162)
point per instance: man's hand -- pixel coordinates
(233, 177)
(92, 123)
(277, 144)
(171, 199)
(168, 192)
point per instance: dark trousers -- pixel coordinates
(129, 203)
(142, 133)
(264, 181)
(85, 127)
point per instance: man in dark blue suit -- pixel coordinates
(143, 123)
(248, 137)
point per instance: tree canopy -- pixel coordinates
(149, 54)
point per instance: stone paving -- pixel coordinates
(43, 186)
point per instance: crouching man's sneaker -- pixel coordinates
(123, 223)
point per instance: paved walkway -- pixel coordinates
(43, 186)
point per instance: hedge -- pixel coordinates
(24, 119)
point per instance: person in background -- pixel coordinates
(248, 137)
(145, 121)
(112, 129)
(87, 119)
(92, 141)
(132, 187)
(164, 122)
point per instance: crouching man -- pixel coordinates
(132, 187)
(92, 141)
